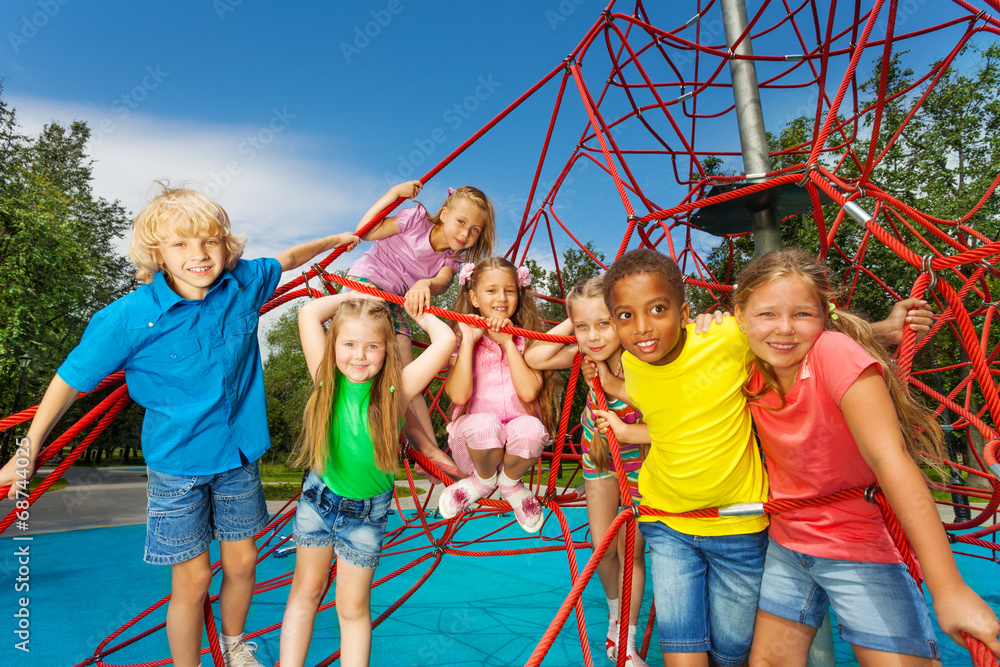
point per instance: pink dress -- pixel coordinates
(810, 452)
(494, 418)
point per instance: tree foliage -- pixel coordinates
(58, 257)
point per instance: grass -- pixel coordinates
(58, 484)
(283, 491)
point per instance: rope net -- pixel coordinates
(650, 118)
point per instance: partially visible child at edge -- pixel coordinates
(502, 409)
(706, 571)
(416, 255)
(349, 439)
(590, 321)
(823, 403)
(187, 341)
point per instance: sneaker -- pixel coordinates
(633, 658)
(241, 655)
(457, 497)
(611, 641)
(525, 506)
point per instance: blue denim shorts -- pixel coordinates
(878, 605)
(354, 528)
(705, 590)
(184, 512)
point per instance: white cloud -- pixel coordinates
(266, 176)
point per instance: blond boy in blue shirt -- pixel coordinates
(187, 341)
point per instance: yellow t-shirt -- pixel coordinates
(703, 452)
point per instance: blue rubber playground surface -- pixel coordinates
(84, 584)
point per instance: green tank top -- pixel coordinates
(350, 469)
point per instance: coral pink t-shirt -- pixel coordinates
(810, 452)
(396, 262)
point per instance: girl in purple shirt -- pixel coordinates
(416, 255)
(497, 432)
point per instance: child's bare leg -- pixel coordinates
(868, 657)
(602, 507)
(239, 573)
(515, 467)
(354, 610)
(686, 660)
(186, 610)
(312, 571)
(417, 424)
(779, 641)
(486, 461)
(638, 573)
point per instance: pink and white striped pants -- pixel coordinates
(523, 436)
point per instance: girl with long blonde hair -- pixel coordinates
(349, 439)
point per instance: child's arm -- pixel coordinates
(298, 255)
(389, 226)
(908, 312)
(419, 295)
(419, 373)
(880, 441)
(636, 434)
(458, 386)
(545, 356)
(311, 331)
(58, 397)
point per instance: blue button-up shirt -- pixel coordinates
(194, 365)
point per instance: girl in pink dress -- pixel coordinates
(501, 406)
(416, 255)
(832, 415)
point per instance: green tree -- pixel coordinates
(58, 263)
(286, 382)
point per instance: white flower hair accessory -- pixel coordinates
(523, 276)
(465, 272)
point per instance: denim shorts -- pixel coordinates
(705, 588)
(878, 605)
(184, 512)
(354, 528)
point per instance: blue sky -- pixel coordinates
(297, 115)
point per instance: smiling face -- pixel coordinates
(782, 321)
(594, 328)
(461, 225)
(649, 322)
(192, 263)
(360, 352)
(495, 294)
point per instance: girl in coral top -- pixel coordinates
(832, 415)
(501, 406)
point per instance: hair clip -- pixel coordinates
(832, 307)
(523, 276)
(392, 389)
(451, 191)
(465, 272)
(321, 383)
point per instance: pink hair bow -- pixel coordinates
(465, 272)
(523, 276)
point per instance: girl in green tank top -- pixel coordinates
(349, 438)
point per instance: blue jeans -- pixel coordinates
(185, 512)
(355, 528)
(705, 589)
(878, 605)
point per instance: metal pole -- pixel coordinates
(756, 162)
(750, 118)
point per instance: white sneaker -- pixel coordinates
(611, 641)
(241, 655)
